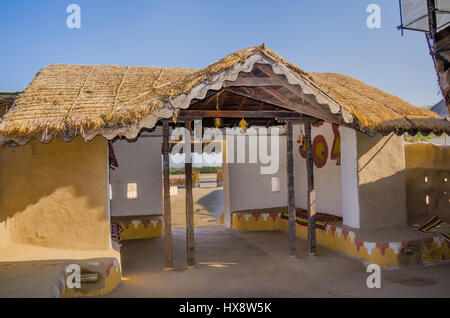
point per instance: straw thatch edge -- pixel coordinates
(128, 123)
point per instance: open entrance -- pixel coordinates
(207, 189)
(258, 110)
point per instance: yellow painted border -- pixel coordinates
(140, 227)
(112, 271)
(435, 248)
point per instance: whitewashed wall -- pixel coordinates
(349, 158)
(327, 180)
(249, 189)
(442, 140)
(139, 162)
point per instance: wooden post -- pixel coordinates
(311, 195)
(290, 188)
(190, 238)
(168, 256)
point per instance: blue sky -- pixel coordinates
(320, 35)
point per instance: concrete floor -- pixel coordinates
(234, 263)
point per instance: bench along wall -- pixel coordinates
(55, 194)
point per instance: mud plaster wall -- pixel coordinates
(425, 160)
(140, 162)
(381, 181)
(55, 194)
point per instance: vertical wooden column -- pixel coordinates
(290, 188)
(311, 195)
(226, 185)
(190, 238)
(168, 256)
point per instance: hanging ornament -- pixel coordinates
(302, 142)
(218, 122)
(243, 125)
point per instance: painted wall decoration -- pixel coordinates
(318, 124)
(333, 235)
(320, 147)
(320, 151)
(336, 147)
(302, 148)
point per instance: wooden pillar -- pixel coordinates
(311, 195)
(168, 256)
(190, 240)
(290, 188)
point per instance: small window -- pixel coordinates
(110, 192)
(132, 192)
(276, 186)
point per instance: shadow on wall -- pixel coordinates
(427, 184)
(381, 181)
(382, 202)
(55, 194)
(212, 202)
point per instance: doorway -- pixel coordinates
(207, 189)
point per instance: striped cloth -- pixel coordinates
(116, 229)
(113, 163)
(434, 225)
(322, 219)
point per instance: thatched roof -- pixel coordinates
(377, 110)
(6, 101)
(70, 100)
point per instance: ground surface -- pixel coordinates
(234, 263)
(208, 205)
(231, 263)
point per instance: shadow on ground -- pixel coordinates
(234, 263)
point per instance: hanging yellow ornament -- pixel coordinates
(301, 139)
(243, 125)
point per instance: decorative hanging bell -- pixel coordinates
(243, 125)
(218, 122)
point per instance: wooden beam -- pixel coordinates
(214, 98)
(244, 99)
(237, 114)
(168, 255)
(190, 240)
(284, 103)
(311, 195)
(251, 81)
(281, 98)
(266, 69)
(290, 190)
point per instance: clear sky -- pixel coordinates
(318, 36)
